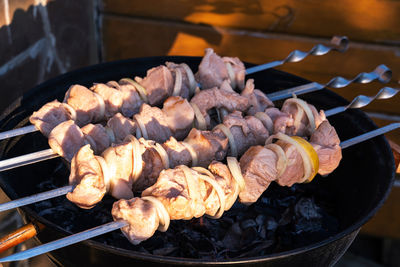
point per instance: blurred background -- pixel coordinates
(41, 39)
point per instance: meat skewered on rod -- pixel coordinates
(105, 228)
(358, 102)
(337, 43)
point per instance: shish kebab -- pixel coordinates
(173, 156)
(382, 73)
(155, 213)
(184, 74)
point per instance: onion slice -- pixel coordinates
(106, 172)
(308, 170)
(102, 105)
(178, 82)
(208, 177)
(110, 134)
(161, 212)
(266, 121)
(192, 152)
(141, 126)
(191, 78)
(70, 110)
(303, 104)
(201, 121)
(137, 158)
(231, 74)
(232, 143)
(160, 150)
(140, 89)
(282, 163)
(236, 172)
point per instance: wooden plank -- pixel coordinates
(368, 20)
(126, 38)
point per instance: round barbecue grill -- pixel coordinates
(305, 225)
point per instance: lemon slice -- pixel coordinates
(312, 155)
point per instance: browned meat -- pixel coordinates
(112, 97)
(131, 99)
(66, 139)
(212, 70)
(181, 196)
(281, 120)
(327, 145)
(121, 127)
(258, 165)
(88, 106)
(185, 89)
(155, 123)
(140, 214)
(248, 131)
(152, 166)
(97, 137)
(178, 154)
(224, 178)
(119, 159)
(258, 100)
(158, 84)
(179, 115)
(87, 175)
(216, 98)
(50, 115)
(239, 71)
(208, 145)
(294, 172)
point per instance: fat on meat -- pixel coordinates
(326, 143)
(50, 115)
(66, 139)
(121, 127)
(179, 115)
(131, 99)
(216, 98)
(158, 84)
(141, 215)
(85, 103)
(259, 169)
(87, 175)
(113, 98)
(185, 88)
(155, 122)
(257, 99)
(97, 137)
(208, 145)
(248, 131)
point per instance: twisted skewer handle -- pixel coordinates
(362, 100)
(381, 73)
(338, 43)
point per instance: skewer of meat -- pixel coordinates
(131, 93)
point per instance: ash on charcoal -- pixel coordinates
(283, 219)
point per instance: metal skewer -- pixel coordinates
(337, 43)
(357, 102)
(109, 227)
(381, 73)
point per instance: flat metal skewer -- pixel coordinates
(105, 228)
(337, 43)
(381, 73)
(357, 102)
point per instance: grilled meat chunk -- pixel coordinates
(121, 127)
(179, 116)
(178, 154)
(113, 98)
(155, 123)
(258, 100)
(131, 99)
(96, 135)
(50, 115)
